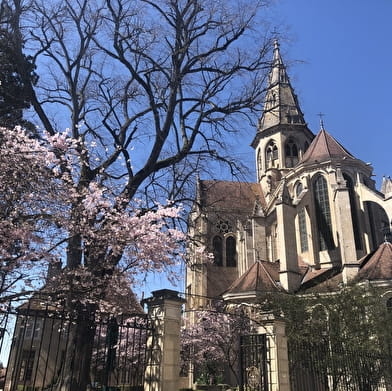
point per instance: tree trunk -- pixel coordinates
(75, 374)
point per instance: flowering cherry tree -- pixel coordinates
(211, 343)
(42, 209)
(149, 91)
(28, 194)
(36, 195)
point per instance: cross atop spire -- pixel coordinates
(321, 115)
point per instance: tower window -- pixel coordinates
(291, 152)
(323, 214)
(271, 155)
(259, 163)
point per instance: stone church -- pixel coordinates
(312, 220)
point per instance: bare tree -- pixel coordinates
(149, 90)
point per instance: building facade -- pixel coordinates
(313, 215)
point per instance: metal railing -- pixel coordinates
(322, 367)
(37, 346)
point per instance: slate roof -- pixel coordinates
(321, 280)
(238, 196)
(323, 148)
(261, 277)
(377, 265)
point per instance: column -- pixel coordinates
(163, 368)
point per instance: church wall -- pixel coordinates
(291, 207)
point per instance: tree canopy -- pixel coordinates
(130, 97)
(14, 88)
(147, 91)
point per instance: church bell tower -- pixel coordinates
(282, 136)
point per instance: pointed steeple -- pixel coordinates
(324, 147)
(281, 104)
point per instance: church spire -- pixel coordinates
(278, 71)
(281, 104)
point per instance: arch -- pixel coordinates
(259, 163)
(323, 213)
(231, 252)
(378, 222)
(291, 153)
(271, 154)
(354, 211)
(298, 188)
(217, 245)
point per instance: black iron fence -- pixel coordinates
(254, 362)
(322, 367)
(37, 349)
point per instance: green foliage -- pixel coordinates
(345, 335)
(355, 316)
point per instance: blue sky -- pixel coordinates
(339, 59)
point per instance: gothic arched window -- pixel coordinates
(354, 211)
(271, 155)
(291, 152)
(231, 252)
(259, 164)
(298, 189)
(217, 245)
(323, 214)
(303, 233)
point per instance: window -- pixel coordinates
(223, 227)
(270, 100)
(225, 251)
(26, 365)
(354, 212)
(33, 328)
(323, 214)
(303, 234)
(217, 245)
(291, 152)
(271, 155)
(231, 252)
(259, 163)
(298, 189)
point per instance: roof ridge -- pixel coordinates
(325, 147)
(269, 275)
